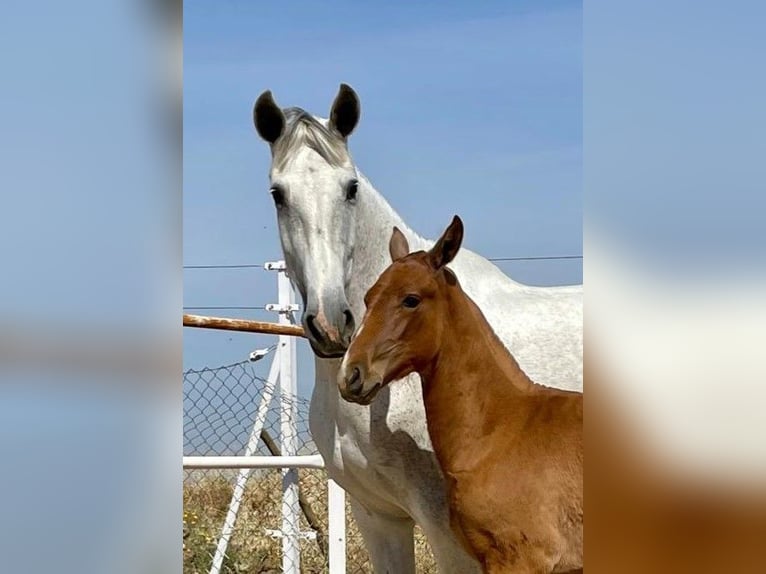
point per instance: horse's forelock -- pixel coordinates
(303, 129)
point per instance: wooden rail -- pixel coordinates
(246, 325)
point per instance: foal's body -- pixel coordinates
(510, 450)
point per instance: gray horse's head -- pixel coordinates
(314, 184)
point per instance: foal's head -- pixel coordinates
(402, 328)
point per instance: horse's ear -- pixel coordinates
(448, 244)
(345, 111)
(268, 118)
(398, 246)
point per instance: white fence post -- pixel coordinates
(239, 487)
(283, 368)
(291, 550)
(336, 510)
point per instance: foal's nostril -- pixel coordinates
(354, 383)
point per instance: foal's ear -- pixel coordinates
(345, 110)
(398, 246)
(448, 244)
(268, 117)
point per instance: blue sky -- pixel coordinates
(467, 108)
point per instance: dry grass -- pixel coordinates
(251, 550)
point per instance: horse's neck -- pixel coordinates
(470, 384)
(375, 223)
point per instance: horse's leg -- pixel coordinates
(449, 554)
(388, 539)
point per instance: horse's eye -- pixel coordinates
(411, 301)
(351, 189)
(278, 194)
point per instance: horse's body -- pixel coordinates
(512, 451)
(335, 249)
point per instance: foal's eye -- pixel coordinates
(351, 189)
(278, 194)
(411, 301)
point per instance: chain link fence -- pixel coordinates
(220, 406)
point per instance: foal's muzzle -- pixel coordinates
(356, 386)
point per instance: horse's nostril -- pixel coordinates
(311, 324)
(348, 328)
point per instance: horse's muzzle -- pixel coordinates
(329, 338)
(325, 351)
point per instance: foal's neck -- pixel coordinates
(472, 384)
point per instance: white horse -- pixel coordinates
(334, 229)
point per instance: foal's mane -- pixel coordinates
(452, 281)
(303, 129)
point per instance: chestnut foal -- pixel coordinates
(511, 450)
